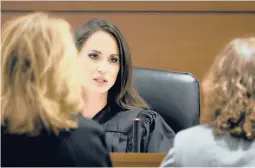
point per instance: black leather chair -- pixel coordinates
(174, 95)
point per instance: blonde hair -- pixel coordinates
(41, 87)
(229, 89)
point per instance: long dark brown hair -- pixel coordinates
(122, 93)
(229, 90)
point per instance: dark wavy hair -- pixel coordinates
(122, 93)
(229, 90)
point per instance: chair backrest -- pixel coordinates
(174, 95)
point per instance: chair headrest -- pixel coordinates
(174, 95)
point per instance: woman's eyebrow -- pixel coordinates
(117, 55)
(95, 51)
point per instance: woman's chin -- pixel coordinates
(100, 89)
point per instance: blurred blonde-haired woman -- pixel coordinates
(41, 95)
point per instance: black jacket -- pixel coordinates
(83, 147)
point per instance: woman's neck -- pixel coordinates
(93, 103)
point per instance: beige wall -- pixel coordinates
(176, 36)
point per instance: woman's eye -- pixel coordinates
(93, 55)
(114, 59)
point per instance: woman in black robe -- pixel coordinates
(109, 95)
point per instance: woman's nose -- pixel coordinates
(102, 67)
(101, 70)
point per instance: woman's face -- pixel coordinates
(101, 62)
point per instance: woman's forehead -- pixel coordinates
(103, 42)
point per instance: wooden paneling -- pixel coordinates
(176, 36)
(127, 6)
(183, 42)
(137, 159)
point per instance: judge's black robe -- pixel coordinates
(156, 134)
